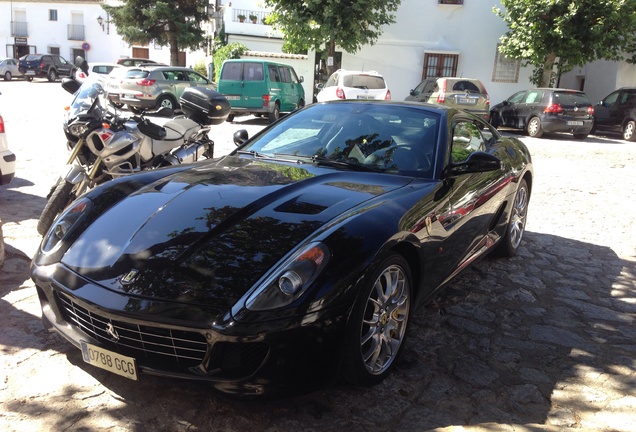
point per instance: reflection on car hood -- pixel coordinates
(207, 234)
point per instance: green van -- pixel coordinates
(260, 87)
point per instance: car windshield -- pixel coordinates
(358, 136)
(364, 81)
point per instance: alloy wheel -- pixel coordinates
(519, 215)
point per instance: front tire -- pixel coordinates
(516, 227)
(60, 197)
(534, 127)
(377, 327)
(629, 131)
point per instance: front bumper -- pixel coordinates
(246, 359)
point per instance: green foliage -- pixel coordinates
(176, 24)
(558, 35)
(226, 52)
(201, 68)
(315, 23)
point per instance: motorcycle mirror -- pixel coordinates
(71, 85)
(81, 63)
(240, 136)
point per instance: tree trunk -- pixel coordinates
(174, 49)
(331, 52)
(548, 70)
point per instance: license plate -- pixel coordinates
(110, 361)
(232, 97)
(467, 101)
(575, 123)
(364, 97)
(30, 72)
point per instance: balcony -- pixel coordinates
(249, 16)
(75, 32)
(19, 29)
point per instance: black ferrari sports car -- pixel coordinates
(298, 257)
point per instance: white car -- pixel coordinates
(344, 84)
(7, 158)
(99, 71)
(9, 68)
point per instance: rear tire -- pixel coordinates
(377, 327)
(629, 131)
(275, 114)
(516, 226)
(580, 136)
(51, 75)
(167, 102)
(7, 76)
(60, 197)
(29, 78)
(534, 127)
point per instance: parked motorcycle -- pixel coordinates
(105, 145)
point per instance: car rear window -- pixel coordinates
(364, 81)
(570, 98)
(467, 86)
(33, 57)
(136, 73)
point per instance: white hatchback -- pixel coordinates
(344, 84)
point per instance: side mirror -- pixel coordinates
(240, 136)
(301, 79)
(477, 162)
(320, 86)
(412, 92)
(71, 85)
(81, 63)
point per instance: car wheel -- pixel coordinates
(516, 227)
(230, 118)
(579, 136)
(534, 128)
(166, 102)
(377, 327)
(275, 114)
(494, 120)
(629, 131)
(51, 76)
(29, 78)
(7, 76)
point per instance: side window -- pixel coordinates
(332, 81)
(195, 77)
(534, 97)
(517, 97)
(253, 72)
(285, 75)
(232, 71)
(467, 139)
(273, 73)
(294, 77)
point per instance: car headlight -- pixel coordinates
(65, 223)
(292, 280)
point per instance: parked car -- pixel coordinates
(7, 158)
(155, 86)
(345, 84)
(50, 66)
(546, 110)
(463, 93)
(260, 87)
(99, 71)
(9, 68)
(131, 61)
(303, 252)
(616, 112)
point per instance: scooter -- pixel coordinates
(105, 145)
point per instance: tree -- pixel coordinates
(349, 24)
(167, 23)
(555, 36)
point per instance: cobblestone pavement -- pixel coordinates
(541, 342)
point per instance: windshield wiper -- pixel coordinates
(320, 160)
(252, 153)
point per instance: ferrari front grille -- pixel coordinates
(156, 347)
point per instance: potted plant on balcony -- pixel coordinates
(241, 18)
(253, 18)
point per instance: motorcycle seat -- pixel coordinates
(180, 129)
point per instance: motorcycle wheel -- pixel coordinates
(60, 197)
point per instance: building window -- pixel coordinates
(52, 14)
(439, 65)
(54, 50)
(453, 2)
(505, 69)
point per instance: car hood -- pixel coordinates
(207, 234)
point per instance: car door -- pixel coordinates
(474, 198)
(531, 105)
(175, 82)
(63, 67)
(508, 109)
(605, 110)
(289, 92)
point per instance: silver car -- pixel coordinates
(156, 86)
(9, 68)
